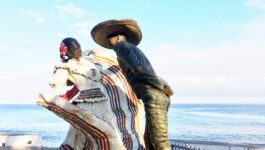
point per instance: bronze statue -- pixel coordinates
(123, 36)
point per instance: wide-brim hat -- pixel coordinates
(127, 27)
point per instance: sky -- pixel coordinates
(209, 51)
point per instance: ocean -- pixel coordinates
(203, 122)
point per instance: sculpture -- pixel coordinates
(90, 129)
(123, 36)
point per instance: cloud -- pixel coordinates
(231, 71)
(21, 52)
(12, 50)
(143, 3)
(18, 52)
(34, 15)
(83, 28)
(25, 83)
(72, 10)
(26, 53)
(5, 48)
(83, 25)
(228, 69)
(260, 4)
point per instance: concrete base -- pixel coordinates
(17, 140)
(26, 148)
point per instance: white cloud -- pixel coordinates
(23, 86)
(60, 36)
(13, 50)
(17, 51)
(72, 10)
(5, 48)
(143, 3)
(232, 70)
(34, 15)
(26, 53)
(28, 41)
(83, 25)
(83, 28)
(228, 70)
(260, 4)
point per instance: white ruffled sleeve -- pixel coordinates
(94, 73)
(59, 79)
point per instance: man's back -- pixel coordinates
(136, 67)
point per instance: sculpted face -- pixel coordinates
(75, 53)
(113, 41)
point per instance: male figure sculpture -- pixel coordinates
(123, 36)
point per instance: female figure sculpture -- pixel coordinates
(106, 113)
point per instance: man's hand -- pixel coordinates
(167, 90)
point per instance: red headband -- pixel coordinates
(63, 51)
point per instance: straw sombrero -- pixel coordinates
(127, 27)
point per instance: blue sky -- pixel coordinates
(210, 51)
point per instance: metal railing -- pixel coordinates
(182, 147)
(208, 145)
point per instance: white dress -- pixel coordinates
(108, 105)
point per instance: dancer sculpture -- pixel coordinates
(106, 115)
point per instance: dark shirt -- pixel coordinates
(136, 68)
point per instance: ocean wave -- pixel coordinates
(260, 119)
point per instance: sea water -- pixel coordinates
(203, 122)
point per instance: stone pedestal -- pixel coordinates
(20, 140)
